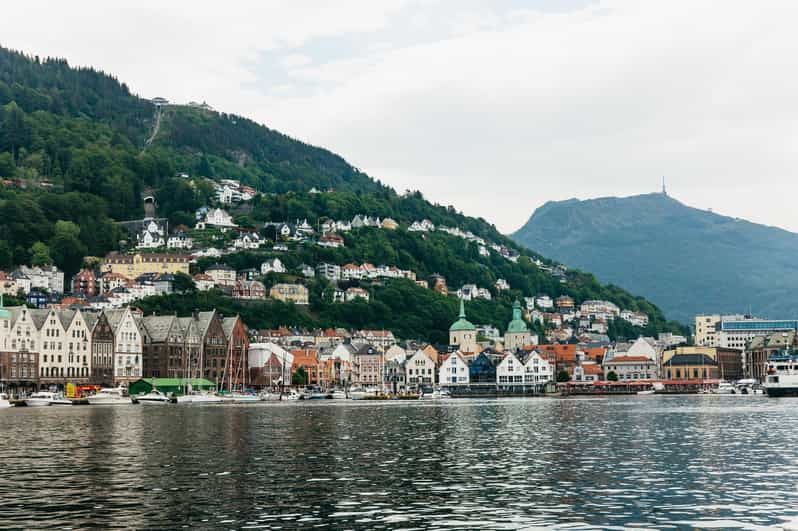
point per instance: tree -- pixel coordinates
(184, 283)
(40, 254)
(7, 167)
(67, 249)
(6, 255)
(612, 377)
(300, 377)
(562, 376)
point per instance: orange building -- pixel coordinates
(308, 359)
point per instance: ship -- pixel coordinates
(782, 374)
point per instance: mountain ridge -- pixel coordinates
(683, 258)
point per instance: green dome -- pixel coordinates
(462, 324)
(4, 314)
(517, 325)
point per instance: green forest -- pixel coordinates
(73, 161)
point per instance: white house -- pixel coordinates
(510, 371)
(128, 345)
(419, 370)
(46, 277)
(453, 370)
(356, 293)
(637, 361)
(502, 284)
(261, 353)
(216, 217)
(636, 318)
(272, 266)
(537, 370)
(544, 302)
(180, 240)
(248, 240)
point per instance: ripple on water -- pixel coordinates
(658, 462)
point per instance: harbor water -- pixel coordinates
(669, 462)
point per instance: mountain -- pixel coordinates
(686, 260)
(79, 151)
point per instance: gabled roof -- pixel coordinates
(690, 359)
(159, 326)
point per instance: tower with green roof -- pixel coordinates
(517, 335)
(462, 333)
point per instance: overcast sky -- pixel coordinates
(494, 107)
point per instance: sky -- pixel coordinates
(493, 107)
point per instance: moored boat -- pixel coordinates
(725, 388)
(267, 396)
(240, 398)
(154, 397)
(338, 394)
(782, 374)
(4, 402)
(199, 398)
(47, 398)
(110, 397)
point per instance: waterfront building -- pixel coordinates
(394, 373)
(367, 369)
(690, 367)
(728, 362)
(510, 372)
(453, 370)
(482, 369)
(463, 334)
(737, 334)
(19, 371)
(128, 346)
(518, 335)
(308, 361)
(537, 369)
(638, 361)
(420, 370)
(262, 358)
(761, 348)
(395, 352)
(102, 351)
(229, 341)
(379, 338)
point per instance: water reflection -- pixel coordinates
(666, 462)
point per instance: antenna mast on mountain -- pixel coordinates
(664, 191)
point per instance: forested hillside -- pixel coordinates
(74, 160)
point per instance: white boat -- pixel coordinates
(110, 397)
(361, 394)
(436, 394)
(4, 402)
(291, 395)
(154, 397)
(725, 388)
(266, 396)
(199, 398)
(782, 374)
(646, 392)
(339, 394)
(46, 398)
(240, 398)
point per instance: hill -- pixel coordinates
(79, 151)
(686, 260)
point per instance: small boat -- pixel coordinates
(4, 402)
(360, 394)
(266, 396)
(339, 394)
(725, 388)
(291, 395)
(646, 392)
(154, 397)
(436, 394)
(199, 398)
(240, 398)
(110, 397)
(314, 393)
(46, 398)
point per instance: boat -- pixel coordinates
(199, 398)
(110, 397)
(240, 398)
(4, 402)
(339, 394)
(47, 398)
(154, 397)
(267, 396)
(314, 393)
(725, 388)
(782, 374)
(292, 395)
(646, 392)
(359, 393)
(436, 394)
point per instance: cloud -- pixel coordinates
(495, 108)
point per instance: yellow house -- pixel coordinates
(134, 265)
(296, 293)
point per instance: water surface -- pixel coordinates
(653, 462)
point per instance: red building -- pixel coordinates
(85, 283)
